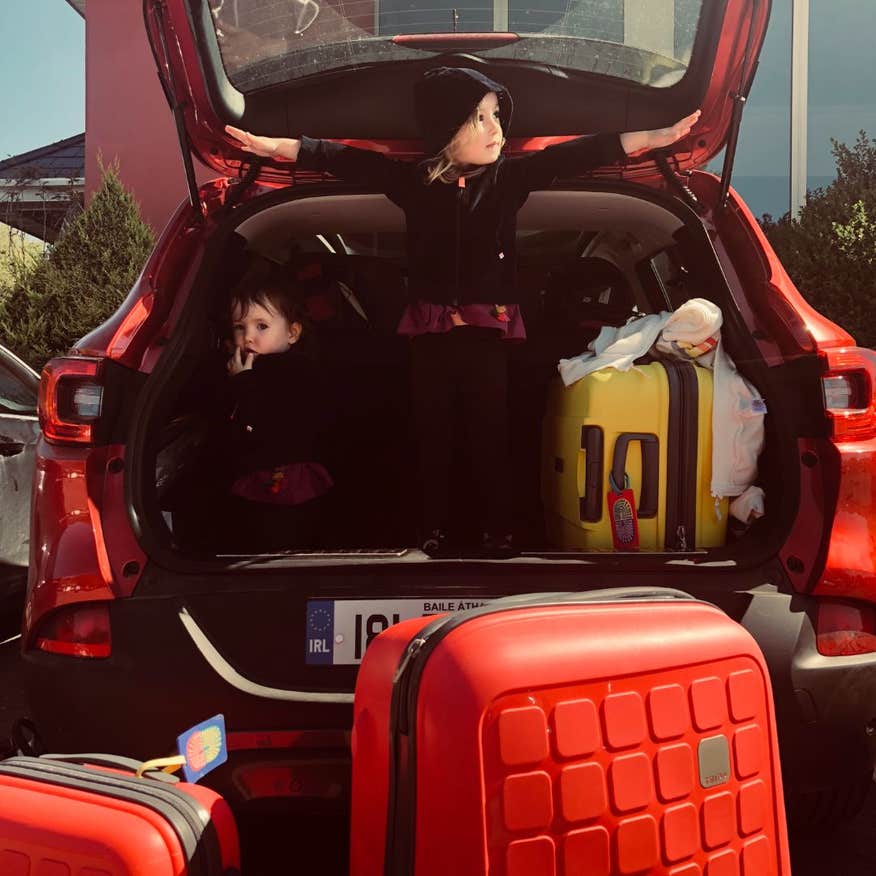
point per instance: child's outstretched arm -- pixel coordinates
(641, 141)
(346, 162)
(538, 170)
(265, 147)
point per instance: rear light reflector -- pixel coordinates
(70, 400)
(848, 389)
(843, 629)
(77, 631)
(81, 400)
(840, 392)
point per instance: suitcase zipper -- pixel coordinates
(401, 805)
(191, 823)
(682, 435)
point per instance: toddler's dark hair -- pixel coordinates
(268, 290)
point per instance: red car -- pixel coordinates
(138, 623)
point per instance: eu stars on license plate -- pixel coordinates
(339, 630)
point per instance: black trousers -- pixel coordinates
(460, 379)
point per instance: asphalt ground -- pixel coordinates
(848, 850)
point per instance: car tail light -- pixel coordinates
(845, 628)
(77, 631)
(848, 389)
(70, 400)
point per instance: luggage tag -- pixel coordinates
(201, 749)
(622, 513)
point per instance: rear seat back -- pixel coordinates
(353, 305)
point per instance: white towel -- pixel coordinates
(738, 409)
(737, 428)
(694, 322)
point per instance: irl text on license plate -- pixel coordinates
(340, 630)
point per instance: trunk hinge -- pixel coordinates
(678, 183)
(739, 98)
(177, 108)
(242, 186)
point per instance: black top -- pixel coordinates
(279, 412)
(461, 241)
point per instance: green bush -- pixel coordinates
(81, 281)
(831, 249)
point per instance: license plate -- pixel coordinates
(339, 630)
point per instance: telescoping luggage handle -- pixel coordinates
(650, 469)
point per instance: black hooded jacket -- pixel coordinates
(279, 412)
(461, 240)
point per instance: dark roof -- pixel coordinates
(79, 6)
(40, 188)
(64, 159)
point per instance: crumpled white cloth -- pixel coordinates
(749, 506)
(737, 410)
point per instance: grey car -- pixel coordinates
(19, 429)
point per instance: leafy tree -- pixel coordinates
(81, 281)
(830, 250)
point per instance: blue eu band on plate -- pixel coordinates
(340, 630)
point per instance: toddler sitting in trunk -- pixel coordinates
(278, 412)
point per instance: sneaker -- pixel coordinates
(435, 543)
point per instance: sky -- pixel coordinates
(42, 65)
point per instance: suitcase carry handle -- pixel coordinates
(112, 761)
(604, 594)
(650, 468)
(590, 485)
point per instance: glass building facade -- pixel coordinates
(842, 100)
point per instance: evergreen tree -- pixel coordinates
(82, 280)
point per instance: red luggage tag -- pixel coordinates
(622, 513)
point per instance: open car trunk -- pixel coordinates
(355, 242)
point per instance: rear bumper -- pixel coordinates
(158, 682)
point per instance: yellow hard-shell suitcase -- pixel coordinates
(651, 425)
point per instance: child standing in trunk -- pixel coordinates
(278, 413)
(461, 207)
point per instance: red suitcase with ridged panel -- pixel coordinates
(617, 732)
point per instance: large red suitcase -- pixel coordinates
(60, 818)
(621, 732)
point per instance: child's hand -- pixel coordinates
(238, 363)
(266, 147)
(640, 141)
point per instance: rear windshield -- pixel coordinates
(266, 42)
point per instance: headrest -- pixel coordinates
(348, 291)
(590, 291)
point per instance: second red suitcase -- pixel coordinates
(621, 732)
(74, 819)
